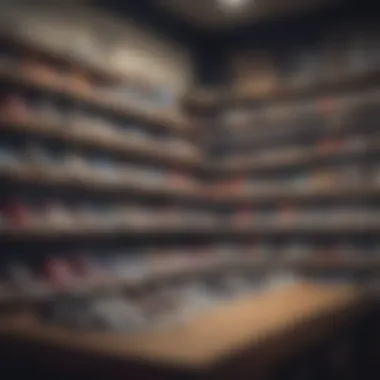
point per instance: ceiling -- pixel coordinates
(212, 15)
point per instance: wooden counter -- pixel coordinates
(270, 325)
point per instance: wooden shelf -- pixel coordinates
(250, 261)
(321, 88)
(185, 228)
(302, 157)
(325, 87)
(202, 99)
(72, 231)
(154, 118)
(116, 142)
(53, 177)
(340, 264)
(27, 45)
(195, 230)
(302, 228)
(353, 191)
(232, 330)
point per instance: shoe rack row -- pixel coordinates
(96, 133)
(27, 64)
(96, 171)
(23, 219)
(107, 271)
(168, 304)
(34, 161)
(340, 58)
(350, 181)
(320, 151)
(296, 132)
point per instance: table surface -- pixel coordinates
(202, 340)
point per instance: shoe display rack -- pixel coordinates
(104, 219)
(87, 158)
(106, 198)
(294, 155)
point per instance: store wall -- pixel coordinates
(109, 40)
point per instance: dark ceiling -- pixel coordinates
(209, 46)
(171, 17)
(221, 14)
(153, 16)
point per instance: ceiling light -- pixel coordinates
(231, 5)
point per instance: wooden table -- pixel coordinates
(248, 335)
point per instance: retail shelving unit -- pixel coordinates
(122, 174)
(295, 163)
(86, 138)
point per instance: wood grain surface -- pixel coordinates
(204, 340)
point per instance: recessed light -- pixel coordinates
(231, 5)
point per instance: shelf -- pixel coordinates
(116, 142)
(186, 229)
(25, 44)
(201, 100)
(59, 232)
(237, 164)
(348, 192)
(52, 177)
(301, 157)
(320, 88)
(314, 264)
(101, 286)
(303, 228)
(340, 264)
(323, 87)
(160, 119)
